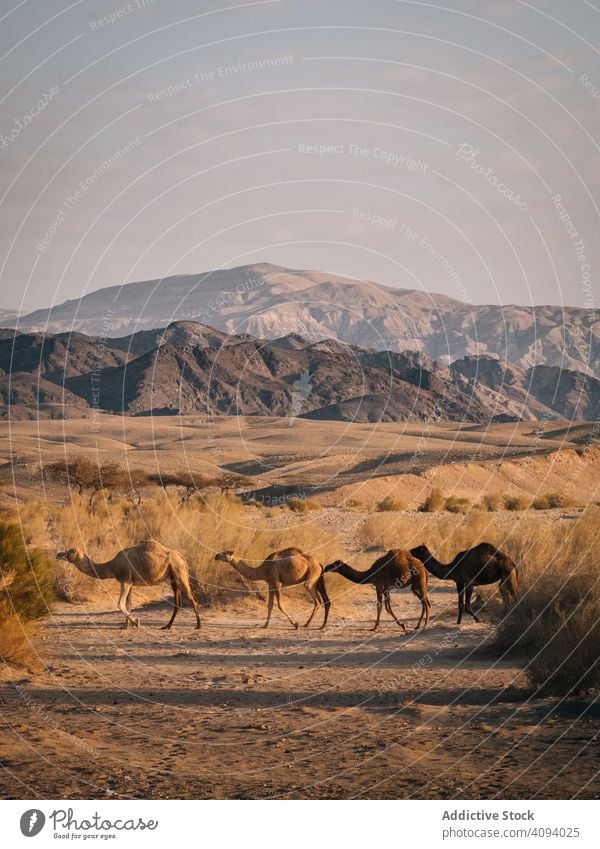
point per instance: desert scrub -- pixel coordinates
(516, 502)
(302, 505)
(455, 504)
(552, 500)
(391, 505)
(493, 501)
(435, 501)
(554, 628)
(25, 594)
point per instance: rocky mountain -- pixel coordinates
(270, 302)
(189, 367)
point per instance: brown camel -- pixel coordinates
(285, 568)
(146, 564)
(475, 567)
(393, 571)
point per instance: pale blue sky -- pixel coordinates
(215, 175)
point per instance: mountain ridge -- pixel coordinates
(269, 301)
(189, 367)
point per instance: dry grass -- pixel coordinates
(435, 501)
(25, 595)
(555, 627)
(198, 528)
(391, 505)
(302, 505)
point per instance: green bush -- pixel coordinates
(391, 505)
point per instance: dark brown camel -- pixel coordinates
(475, 567)
(393, 571)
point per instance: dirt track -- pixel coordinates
(237, 712)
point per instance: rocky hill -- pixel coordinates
(269, 301)
(190, 367)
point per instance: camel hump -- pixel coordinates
(151, 545)
(285, 553)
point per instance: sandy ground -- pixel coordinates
(234, 711)
(332, 461)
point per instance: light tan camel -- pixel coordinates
(143, 565)
(285, 568)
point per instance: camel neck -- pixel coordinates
(94, 570)
(253, 573)
(352, 574)
(439, 570)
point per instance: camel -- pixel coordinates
(393, 571)
(475, 567)
(285, 568)
(146, 564)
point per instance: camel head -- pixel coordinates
(421, 552)
(335, 566)
(72, 555)
(227, 556)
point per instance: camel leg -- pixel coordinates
(270, 601)
(461, 603)
(182, 579)
(315, 600)
(129, 604)
(187, 588)
(468, 608)
(278, 600)
(176, 605)
(379, 606)
(322, 590)
(125, 590)
(388, 607)
(425, 608)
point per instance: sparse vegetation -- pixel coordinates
(454, 504)
(391, 505)
(516, 502)
(493, 501)
(555, 627)
(302, 505)
(25, 594)
(552, 500)
(435, 501)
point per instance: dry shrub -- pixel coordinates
(16, 648)
(435, 501)
(391, 505)
(455, 504)
(516, 502)
(493, 501)
(25, 594)
(302, 505)
(552, 500)
(555, 626)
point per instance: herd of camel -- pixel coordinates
(150, 563)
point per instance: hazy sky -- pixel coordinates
(452, 147)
